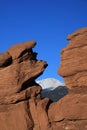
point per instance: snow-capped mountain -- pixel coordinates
(52, 88)
(50, 83)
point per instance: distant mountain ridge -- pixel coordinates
(50, 83)
(52, 88)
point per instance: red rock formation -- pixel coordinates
(73, 107)
(21, 105)
(74, 60)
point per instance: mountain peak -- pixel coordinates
(50, 83)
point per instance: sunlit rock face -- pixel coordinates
(73, 65)
(19, 92)
(21, 104)
(18, 66)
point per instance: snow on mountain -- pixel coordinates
(52, 88)
(50, 83)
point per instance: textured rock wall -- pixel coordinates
(20, 99)
(73, 65)
(21, 105)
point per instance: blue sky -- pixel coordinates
(48, 22)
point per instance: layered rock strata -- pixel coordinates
(73, 67)
(74, 60)
(21, 105)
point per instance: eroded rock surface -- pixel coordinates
(73, 107)
(74, 60)
(21, 105)
(19, 94)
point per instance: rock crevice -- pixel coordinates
(21, 104)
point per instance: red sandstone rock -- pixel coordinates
(5, 59)
(17, 74)
(18, 70)
(73, 65)
(21, 105)
(18, 50)
(15, 117)
(73, 107)
(38, 111)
